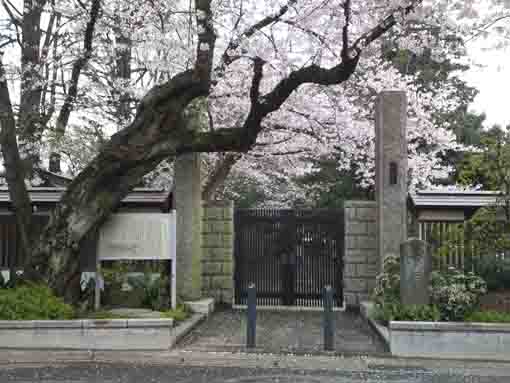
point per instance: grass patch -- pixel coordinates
(488, 317)
(102, 314)
(180, 314)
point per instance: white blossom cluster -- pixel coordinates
(315, 121)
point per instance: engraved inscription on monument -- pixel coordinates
(415, 268)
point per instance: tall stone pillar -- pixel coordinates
(188, 205)
(391, 172)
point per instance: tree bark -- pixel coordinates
(14, 169)
(31, 81)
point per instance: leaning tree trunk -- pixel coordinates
(155, 134)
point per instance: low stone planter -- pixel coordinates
(443, 340)
(456, 340)
(111, 334)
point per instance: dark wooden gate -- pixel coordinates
(290, 255)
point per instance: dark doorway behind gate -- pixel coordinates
(290, 255)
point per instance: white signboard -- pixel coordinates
(138, 236)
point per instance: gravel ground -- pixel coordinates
(283, 331)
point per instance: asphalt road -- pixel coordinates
(243, 368)
(133, 373)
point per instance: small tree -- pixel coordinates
(485, 237)
(489, 228)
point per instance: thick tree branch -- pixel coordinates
(219, 174)
(345, 34)
(31, 84)
(206, 42)
(67, 107)
(258, 66)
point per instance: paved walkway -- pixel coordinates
(282, 331)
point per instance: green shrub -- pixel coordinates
(152, 288)
(455, 293)
(495, 270)
(30, 302)
(488, 317)
(398, 312)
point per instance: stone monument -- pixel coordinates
(391, 173)
(415, 269)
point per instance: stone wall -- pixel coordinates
(360, 259)
(217, 251)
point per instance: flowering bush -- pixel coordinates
(387, 286)
(456, 294)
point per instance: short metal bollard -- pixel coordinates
(329, 320)
(252, 317)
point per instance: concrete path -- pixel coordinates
(282, 331)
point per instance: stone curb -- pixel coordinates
(443, 340)
(183, 329)
(86, 323)
(450, 327)
(382, 332)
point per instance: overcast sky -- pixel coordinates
(491, 76)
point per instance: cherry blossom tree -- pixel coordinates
(271, 74)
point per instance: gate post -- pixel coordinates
(329, 321)
(391, 172)
(251, 323)
(188, 204)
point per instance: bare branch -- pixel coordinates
(14, 19)
(227, 58)
(384, 26)
(318, 36)
(484, 28)
(7, 42)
